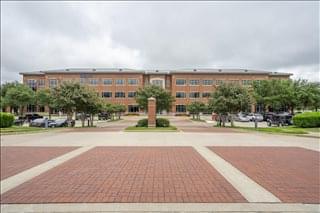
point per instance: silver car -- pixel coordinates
(242, 117)
(255, 116)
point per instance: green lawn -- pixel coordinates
(151, 129)
(285, 130)
(22, 129)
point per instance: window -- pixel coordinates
(53, 83)
(107, 94)
(133, 108)
(206, 94)
(31, 108)
(246, 82)
(194, 82)
(180, 95)
(120, 95)
(157, 83)
(207, 82)
(132, 94)
(119, 81)
(32, 84)
(181, 108)
(219, 82)
(234, 81)
(132, 81)
(107, 81)
(41, 83)
(194, 95)
(93, 81)
(181, 82)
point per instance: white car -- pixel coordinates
(242, 117)
(253, 116)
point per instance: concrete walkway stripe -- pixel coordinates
(14, 181)
(161, 207)
(252, 191)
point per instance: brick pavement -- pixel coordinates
(128, 174)
(292, 174)
(17, 159)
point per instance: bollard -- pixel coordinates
(46, 123)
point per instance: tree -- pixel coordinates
(163, 98)
(3, 90)
(44, 98)
(229, 99)
(119, 109)
(19, 96)
(195, 108)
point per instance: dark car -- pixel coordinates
(18, 122)
(30, 117)
(61, 123)
(103, 116)
(40, 122)
(279, 119)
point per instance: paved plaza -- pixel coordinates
(117, 171)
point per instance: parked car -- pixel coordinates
(18, 122)
(242, 117)
(62, 122)
(30, 117)
(40, 122)
(255, 116)
(279, 119)
(104, 116)
(78, 116)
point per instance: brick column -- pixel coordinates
(151, 112)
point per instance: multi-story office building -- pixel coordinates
(120, 85)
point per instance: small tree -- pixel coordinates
(119, 109)
(19, 96)
(44, 98)
(229, 99)
(163, 98)
(195, 108)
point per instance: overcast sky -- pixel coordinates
(274, 36)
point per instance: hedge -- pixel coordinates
(6, 120)
(307, 119)
(160, 122)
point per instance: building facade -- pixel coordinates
(120, 85)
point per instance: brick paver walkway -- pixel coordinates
(292, 174)
(129, 174)
(17, 159)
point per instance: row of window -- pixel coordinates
(118, 94)
(130, 81)
(193, 95)
(182, 82)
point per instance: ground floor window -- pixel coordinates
(41, 109)
(181, 108)
(133, 108)
(31, 108)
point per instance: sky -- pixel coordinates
(271, 36)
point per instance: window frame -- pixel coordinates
(116, 94)
(184, 80)
(194, 80)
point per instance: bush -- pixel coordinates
(6, 120)
(162, 122)
(307, 119)
(142, 123)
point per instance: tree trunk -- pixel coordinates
(21, 110)
(82, 120)
(69, 118)
(49, 113)
(231, 120)
(91, 120)
(224, 121)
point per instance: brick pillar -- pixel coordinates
(151, 112)
(253, 108)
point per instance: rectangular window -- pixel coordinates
(246, 82)
(181, 82)
(107, 94)
(132, 94)
(32, 84)
(194, 95)
(120, 95)
(133, 108)
(206, 94)
(53, 83)
(207, 82)
(119, 81)
(181, 108)
(180, 95)
(93, 81)
(132, 81)
(41, 83)
(219, 82)
(194, 82)
(107, 81)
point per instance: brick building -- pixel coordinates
(120, 85)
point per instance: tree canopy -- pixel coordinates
(195, 108)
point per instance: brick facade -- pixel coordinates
(120, 85)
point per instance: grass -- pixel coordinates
(284, 130)
(22, 129)
(151, 129)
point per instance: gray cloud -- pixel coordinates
(275, 36)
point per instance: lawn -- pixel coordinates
(151, 129)
(22, 129)
(285, 130)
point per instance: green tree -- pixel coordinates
(119, 109)
(195, 108)
(229, 99)
(3, 90)
(19, 96)
(163, 98)
(44, 99)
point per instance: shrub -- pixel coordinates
(307, 119)
(162, 122)
(142, 123)
(6, 119)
